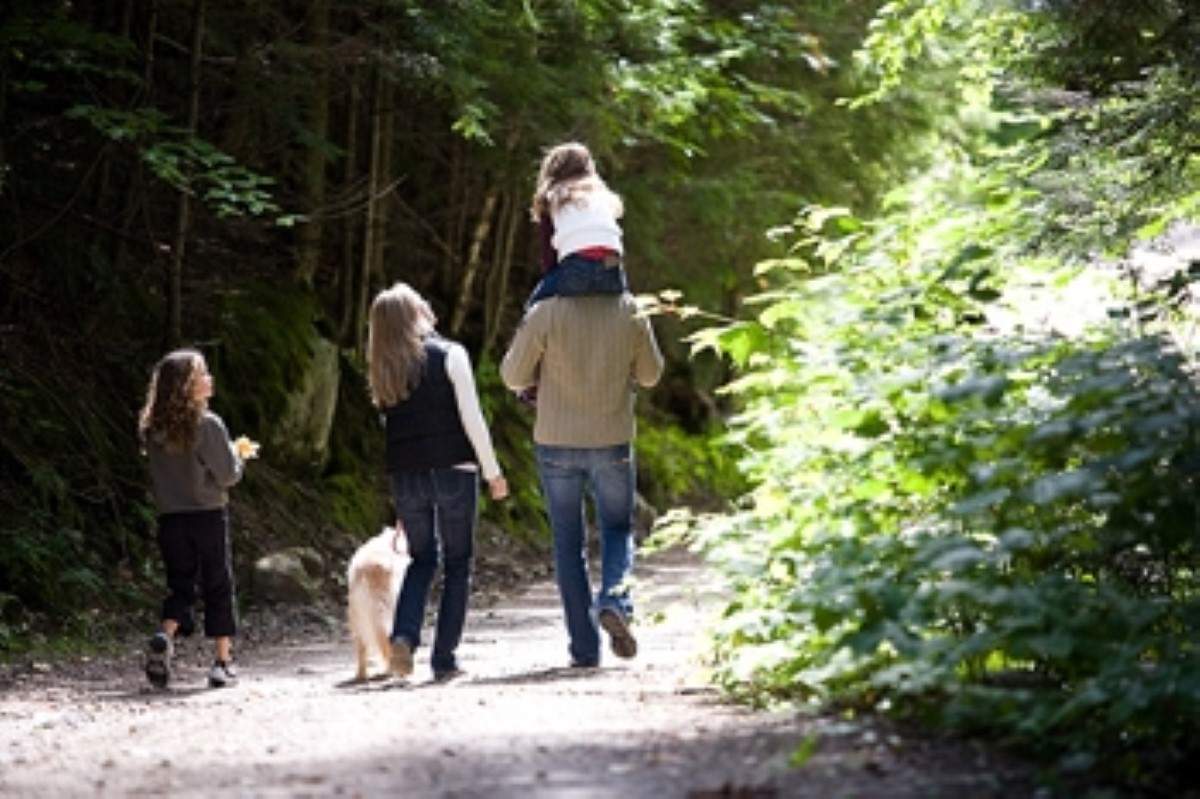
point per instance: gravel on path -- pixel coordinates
(519, 724)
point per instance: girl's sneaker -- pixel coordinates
(222, 674)
(159, 651)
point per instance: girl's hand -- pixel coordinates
(498, 487)
(245, 448)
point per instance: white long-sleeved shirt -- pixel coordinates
(591, 222)
(458, 369)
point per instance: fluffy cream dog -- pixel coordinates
(373, 581)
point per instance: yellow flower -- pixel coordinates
(246, 448)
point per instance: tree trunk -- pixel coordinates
(3, 102)
(483, 227)
(384, 185)
(344, 276)
(115, 181)
(512, 215)
(308, 256)
(183, 216)
(371, 259)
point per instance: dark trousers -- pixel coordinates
(195, 553)
(439, 510)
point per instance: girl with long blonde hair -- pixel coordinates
(437, 444)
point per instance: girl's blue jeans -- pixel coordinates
(576, 275)
(568, 476)
(438, 509)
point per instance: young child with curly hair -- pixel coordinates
(193, 464)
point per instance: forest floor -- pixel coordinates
(520, 724)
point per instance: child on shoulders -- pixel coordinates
(579, 235)
(576, 212)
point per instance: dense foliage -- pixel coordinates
(244, 176)
(962, 380)
(972, 436)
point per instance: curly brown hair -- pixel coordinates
(171, 416)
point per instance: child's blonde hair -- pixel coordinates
(568, 172)
(172, 413)
(400, 321)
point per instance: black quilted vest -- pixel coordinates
(425, 431)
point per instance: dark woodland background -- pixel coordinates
(244, 176)
(829, 203)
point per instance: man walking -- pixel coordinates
(587, 355)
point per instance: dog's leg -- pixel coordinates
(372, 603)
(374, 578)
(360, 649)
(383, 640)
(359, 619)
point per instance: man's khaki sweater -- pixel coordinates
(586, 355)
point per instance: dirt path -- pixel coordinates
(520, 725)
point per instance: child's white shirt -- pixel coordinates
(592, 222)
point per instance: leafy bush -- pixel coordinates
(680, 468)
(64, 490)
(988, 530)
(974, 464)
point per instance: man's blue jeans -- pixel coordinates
(438, 509)
(568, 475)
